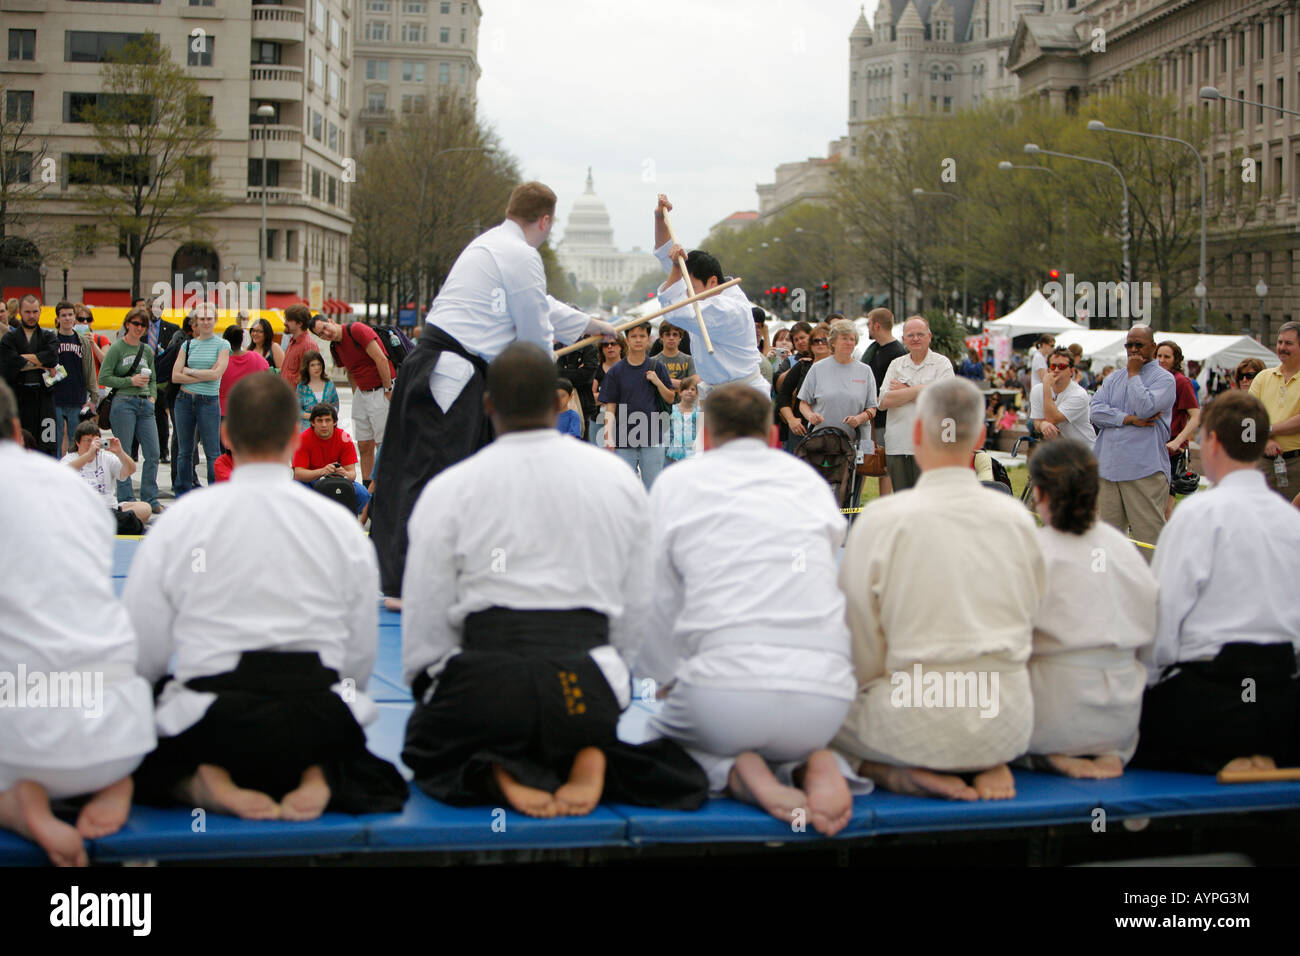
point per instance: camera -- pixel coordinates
(103, 443)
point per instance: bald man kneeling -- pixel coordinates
(944, 699)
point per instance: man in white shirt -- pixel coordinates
(728, 316)
(940, 658)
(262, 713)
(752, 681)
(101, 469)
(1221, 691)
(517, 650)
(88, 730)
(1059, 405)
(905, 381)
(495, 294)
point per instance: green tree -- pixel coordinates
(151, 179)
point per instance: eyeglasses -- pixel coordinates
(1134, 345)
(138, 325)
(1058, 368)
(817, 341)
(1245, 376)
(916, 335)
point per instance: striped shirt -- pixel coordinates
(203, 354)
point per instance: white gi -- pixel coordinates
(495, 294)
(535, 521)
(1100, 607)
(920, 615)
(757, 667)
(237, 567)
(74, 715)
(1226, 564)
(729, 317)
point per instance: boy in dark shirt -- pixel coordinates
(635, 429)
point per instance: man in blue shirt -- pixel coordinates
(1132, 412)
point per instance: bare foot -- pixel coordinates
(25, 809)
(996, 783)
(1109, 766)
(917, 782)
(527, 800)
(586, 782)
(1081, 768)
(309, 799)
(753, 782)
(393, 604)
(106, 811)
(212, 789)
(1262, 763)
(830, 805)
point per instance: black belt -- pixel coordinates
(1285, 456)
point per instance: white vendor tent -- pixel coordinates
(1033, 316)
(1105, 347)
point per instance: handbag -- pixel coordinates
(106, 403)
(873, 465)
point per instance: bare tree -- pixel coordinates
(23, 172)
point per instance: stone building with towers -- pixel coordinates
(587, 252)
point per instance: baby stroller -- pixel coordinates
(831, 452)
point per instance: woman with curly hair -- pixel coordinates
(1098, 610)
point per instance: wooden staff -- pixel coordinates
(686, 277)
(1258, 776)
(630, 323)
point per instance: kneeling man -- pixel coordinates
(753, 681)
(84, 718)
(943, 689)
(1222, 692)
(262, 715)
(525, 595)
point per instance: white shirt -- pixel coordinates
(1075, 404)
(1227, 563)
(495, 294)
(1037, 363)
(237, 567)
(59, 616)
(100, 474)
(728, 316)
(903, 371)
(536, 520)
(726, 524)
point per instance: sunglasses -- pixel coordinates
(817, 341)
(1134, 345)
(1245, 376)
(1058, 368)
(610, 345)
(138, 325)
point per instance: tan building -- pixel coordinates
(1249, 49)
(408, 53)
(803, 181)
(293, 56)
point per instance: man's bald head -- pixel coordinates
(1143, 332)
(521, 389)
(949, 423)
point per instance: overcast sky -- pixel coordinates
(699, 99)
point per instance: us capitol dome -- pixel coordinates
(587, 250)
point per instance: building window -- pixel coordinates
(947, 104)
(377, 31)
(265, 51)
(904, 100)
(335, 84)
(1241, 48)
(18, 167)
(201, 3)
(905, 65)
(88, 169)
(444, 34)
(203, 55)
(197, 170)
(444, 73)
(376, 102)
(463, 35)
(272, 235)
(414, 33)
(18, 105)
(291, 245)
(336, 33)
(464, 9)
(22, 44)
(317, 126)
(330, 190)
(332, 137)
(853, 109)
(198, 111)
(379, 6)
(86, 47)
(464, 74)
(413, 103)
(1281, 96)
(1223, 55)
(934, 103)
(272, 172)
(1259, 98)
(445, 7)
(1277, 175)
(318, 70)
(319, 15)
(415, 6)
(1259, 41)
(377, 70)
(412, 72)
(315, 184)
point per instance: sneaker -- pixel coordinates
(157, 508)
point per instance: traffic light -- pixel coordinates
(824, 298)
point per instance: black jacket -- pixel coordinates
(45, 345)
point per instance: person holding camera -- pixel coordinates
(102, 464)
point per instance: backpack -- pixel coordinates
(397, 344)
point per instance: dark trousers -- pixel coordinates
(36, 414)
(903, 471)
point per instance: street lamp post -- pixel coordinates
(266, 112)
(1033, 149)
(1212, 93)
(918, 191)
(1097, 126)
(1261, 290)
(44, 270)
(1007, 166)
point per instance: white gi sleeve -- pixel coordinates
(363, 617)
(530, 308)
(659, 656)
(429, 582)
(146, 599)
(569, 324)
(1183, 563)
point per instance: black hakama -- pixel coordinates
(420, 440)
(1203, 716)
(274, 717)
(525, 694)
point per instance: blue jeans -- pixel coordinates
(651, 460)
(66, 420)
(201, 413)
(133, 419)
